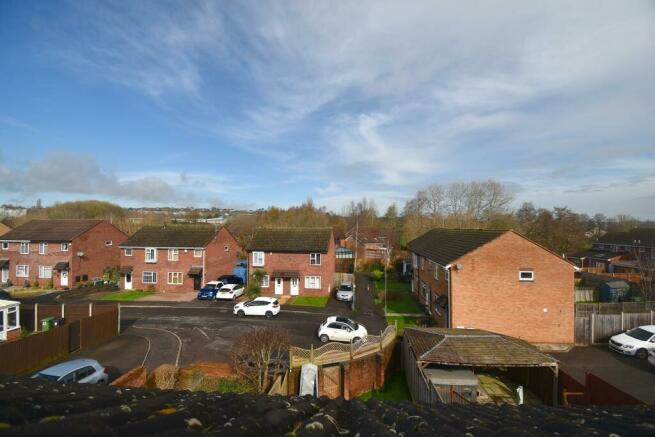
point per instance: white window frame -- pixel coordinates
(312, 282)
(109, 243)
(43, 248)
(42, 270)
(26, 271)
(266, 281)
(313, 257)
(421, 262)
(530, 279)
(5, 245)
(175, 275)
(12, 310)
(64, 247)
(153, 277)
(258, 259)
(173, 255)
(226, 248)
(152, 259)
(436, 271)
(197, 253)
(414, 261)
(129, 252)
(27, 248)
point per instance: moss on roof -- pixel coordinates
(50, 230)
(171, 236)
(301, 240)
(444, 246)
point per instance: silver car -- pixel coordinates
(83, 370)
(345, 292)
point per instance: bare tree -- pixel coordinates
(260, 354)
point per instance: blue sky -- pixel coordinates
(267, 103)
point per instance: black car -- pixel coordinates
(230, 279)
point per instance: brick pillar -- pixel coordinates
(345, 374)
(379, 370)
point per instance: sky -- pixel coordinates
(252, 104)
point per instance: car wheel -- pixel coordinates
(356, 340)
(240, 313)
(268, 314)
(324, 338)
(642, 354)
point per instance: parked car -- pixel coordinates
(82, 370)
(230, 279)
(230, 291)
(341, 329)
(5, 295)
(651, 357)
(260, 306)
(208, 292)
(345, 292)
(635, 342)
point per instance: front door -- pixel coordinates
(197, 282)
(4, 276)
(63, 278)
(295, 286)
(279, 283)
(128, 280)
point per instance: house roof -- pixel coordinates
(50, 230)
(171, 236)
(473, 347)
(597, 254)
(444, 246)
(94, 409)
(373, 235)
(646, 237)
(301, 240)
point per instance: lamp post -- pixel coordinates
(386, 264)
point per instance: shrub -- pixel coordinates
(254, 287)
(50, 285)
(371, 266)
(36, 284)
(151, 289)
(377, 274)
(27, 284)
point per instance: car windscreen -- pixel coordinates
(46, 376)
(344, 287)
(640, 334)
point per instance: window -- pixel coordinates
(84, 372)
(149, 277)
(22, 271)
(313, 282)
(422, 263)
(109, 243)
(173, 254)
(65, 247)
(43, 248)
(24, 248)
(5, 245)
(226, 248)
(414, 261)
(526, 275)
(175, 278)
(197, 253)
(265, 281)
(315, 259)
(151, 255)
(12, 318)
(45, 272)
(128, 252)
(258, 259)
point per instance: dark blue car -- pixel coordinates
(208, 292)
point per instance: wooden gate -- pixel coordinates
(582, 331)
(332, 382)
(74, 336)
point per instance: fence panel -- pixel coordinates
(100, 328)
(605, 326)
(332, 382)
(582, 331)
(73, 313)
(33, 352)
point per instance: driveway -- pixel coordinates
(629, 374)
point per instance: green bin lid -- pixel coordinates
(47, 319)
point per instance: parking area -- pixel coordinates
(633, 376)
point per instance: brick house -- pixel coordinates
(498, 281)
(177, 257)
(64, 251)
(370, 244)
(296, 261)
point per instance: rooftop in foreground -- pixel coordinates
(36, 407)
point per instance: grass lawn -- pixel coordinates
(126, 295)
(394, 390)
(403, 321)
(393, 285)
(309, 301)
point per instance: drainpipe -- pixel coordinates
(449, 319)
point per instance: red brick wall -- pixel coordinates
(34, 260)
(487, 293)
(185, 261)
(97, 256)
(437, 287)
(298, 262)
(219, 261)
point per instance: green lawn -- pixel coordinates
(126, 295)
(393, 285)
(394, 390)
(309, 301)
(402, 322)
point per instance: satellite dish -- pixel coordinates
(459, 266)
(80, 254)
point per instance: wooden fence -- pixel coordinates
(339, 352)
(342, 277)
(32, 314)
(39, 349)
(596, 323)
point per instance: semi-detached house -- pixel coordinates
(65, 252)
(177, 257)
(496, 280)
(295, 261)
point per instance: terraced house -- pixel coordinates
(496, 280)
(295, 261)
(65, 252)
(177, 257)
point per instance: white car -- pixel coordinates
(345, 292)
(635, 342)
(341, 329)
(83, 370)
(651, 357)
(230, 291)
(260, 306)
